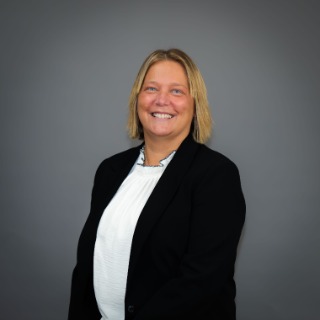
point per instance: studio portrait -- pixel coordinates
(159, 160)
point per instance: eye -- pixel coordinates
(176, 91)
(150, 89)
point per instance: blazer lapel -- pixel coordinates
(120, 169)
(161, 196)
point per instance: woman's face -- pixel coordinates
(165, 106)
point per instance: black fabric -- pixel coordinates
(185, 242)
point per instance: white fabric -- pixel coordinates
(114, 237)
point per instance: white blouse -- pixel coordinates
(115, 233)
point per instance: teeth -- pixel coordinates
(162, 115)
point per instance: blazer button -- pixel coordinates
(131, 309)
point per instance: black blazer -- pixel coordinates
(185, 242)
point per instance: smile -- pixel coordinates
(162, 115)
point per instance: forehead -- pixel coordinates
(167, 70)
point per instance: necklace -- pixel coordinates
(144, 161)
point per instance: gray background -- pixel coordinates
(66, 72)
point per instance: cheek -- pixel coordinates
(145, 100)
(187, 108)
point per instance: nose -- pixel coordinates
(162, 98)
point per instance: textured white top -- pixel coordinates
(115, 233)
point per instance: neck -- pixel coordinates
(154, 151)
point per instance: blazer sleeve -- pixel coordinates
(207, 268)
(82, 304)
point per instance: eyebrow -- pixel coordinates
(170, 84)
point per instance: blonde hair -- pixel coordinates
(202, 123)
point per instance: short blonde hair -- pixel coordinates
(202, 123)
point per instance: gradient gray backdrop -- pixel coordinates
(66, 70)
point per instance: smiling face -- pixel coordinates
(165, 106)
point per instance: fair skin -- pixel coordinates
(165, 109)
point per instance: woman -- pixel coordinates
(161, 238)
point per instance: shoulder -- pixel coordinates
(206, 153)
(212, 171)
(122, 156)
(119, 160)
(201, 161)
(209, 160)
(215, 175)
